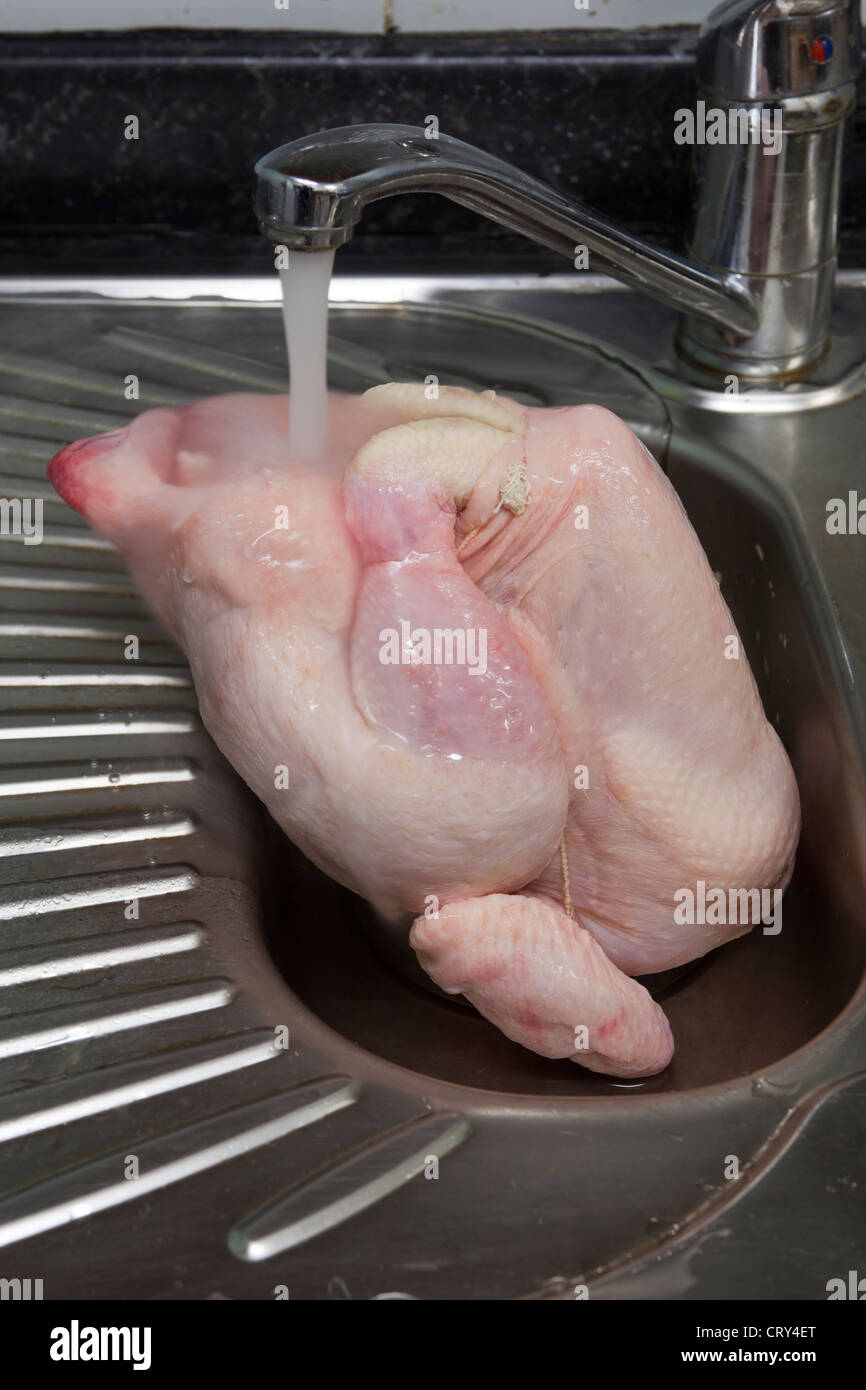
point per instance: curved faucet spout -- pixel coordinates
(311, 194)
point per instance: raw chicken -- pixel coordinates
(594, 745)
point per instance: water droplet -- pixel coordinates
(763, 1087)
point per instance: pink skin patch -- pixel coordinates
(529, 1019)
(66, 475)
(390, 520)
(603, 1031)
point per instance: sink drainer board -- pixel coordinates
(231, 1092)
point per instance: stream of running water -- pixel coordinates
(305, 284)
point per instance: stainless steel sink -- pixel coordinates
(159, 1037)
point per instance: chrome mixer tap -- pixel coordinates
(776, 81)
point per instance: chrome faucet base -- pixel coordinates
(771, 213)
(795, 316)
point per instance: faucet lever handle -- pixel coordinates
(779, 48)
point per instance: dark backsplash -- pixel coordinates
(593, 115)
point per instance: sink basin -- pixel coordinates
(244, 1023)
